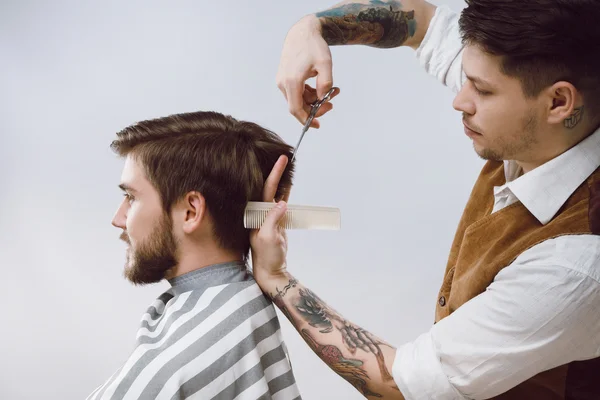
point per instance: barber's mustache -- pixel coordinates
(470, 125)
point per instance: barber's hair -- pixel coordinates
(224, 159)
(541, 42)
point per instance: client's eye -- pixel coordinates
(128, 197)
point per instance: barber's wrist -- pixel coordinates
(270, 281)
(311, 23)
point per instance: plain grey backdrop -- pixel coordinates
(392, 156)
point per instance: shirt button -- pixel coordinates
(442, 301)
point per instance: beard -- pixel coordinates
(511, 148)
(150, 260)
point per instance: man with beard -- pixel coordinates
(187, 179)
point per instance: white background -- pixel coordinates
(392, 156)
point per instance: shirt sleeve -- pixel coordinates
(539, 313)
(440, 52)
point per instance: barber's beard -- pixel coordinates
(513, 147)
(151, 259)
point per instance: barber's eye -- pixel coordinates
(481, 92)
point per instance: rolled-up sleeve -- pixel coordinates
(440, 52)
(539, 313)
(418, 372)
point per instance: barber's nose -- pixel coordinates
(463, 103)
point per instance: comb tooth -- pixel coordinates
(289, 219)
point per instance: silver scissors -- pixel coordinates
(313, 111)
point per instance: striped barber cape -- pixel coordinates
(212, 335)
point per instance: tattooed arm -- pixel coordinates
(362, 359)
(353, 353)
(376, 23)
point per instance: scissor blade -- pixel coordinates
(299, 141)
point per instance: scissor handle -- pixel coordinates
(318, 103)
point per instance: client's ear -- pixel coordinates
(193, 211)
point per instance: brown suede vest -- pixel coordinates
(485, 243)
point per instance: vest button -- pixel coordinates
(442, 301)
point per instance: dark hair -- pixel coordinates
(224, 159)
(540, 42)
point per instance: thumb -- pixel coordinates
(324, 79)
(274, 217)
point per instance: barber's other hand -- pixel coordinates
(305, 55)
(269, 243)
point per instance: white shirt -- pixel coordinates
(541, 311)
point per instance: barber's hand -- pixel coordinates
(305, 55)
(269, 243)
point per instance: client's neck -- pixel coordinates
(195, 257)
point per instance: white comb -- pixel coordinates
(296, 217)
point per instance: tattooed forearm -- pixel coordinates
(280, 293)
(314, 311)
(379, 24)
(277, 298)
(348, 368)
(353, 353)
(575, 118)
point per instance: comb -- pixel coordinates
(296, 216)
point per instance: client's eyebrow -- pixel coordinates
(126, 188)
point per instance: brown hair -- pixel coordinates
(541, 42)
(224, 159)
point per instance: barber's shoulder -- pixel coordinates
(579, 253)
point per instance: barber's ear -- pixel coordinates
(564, 102)
(194, 207)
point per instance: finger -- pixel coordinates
(336, 91)
(323, 109)
(309, 91)
(285, 194)
(272, 182)
(324, 77)
(309, 95)
(294, 91)
(271, 223)
(282, 90)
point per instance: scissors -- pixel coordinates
(313, 111)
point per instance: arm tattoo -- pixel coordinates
(348, 368)
(278, 298)
(314, 311)
(575, 118)
(317, 314)
(379, 24)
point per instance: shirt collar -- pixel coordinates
(544, 190)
